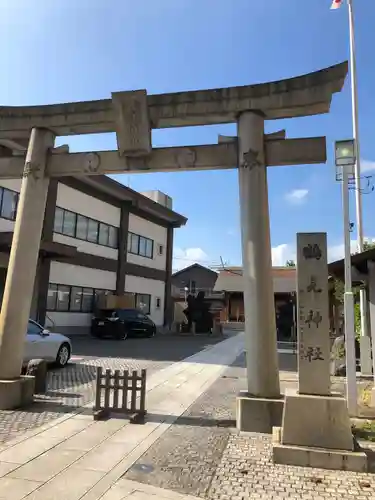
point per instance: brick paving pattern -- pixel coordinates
(67, 390)
(185, 458)
(203, 455)
(246, 471)
(74, 386)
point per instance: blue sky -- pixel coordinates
(67, 50)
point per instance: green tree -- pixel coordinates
(290, 263)
(340, 288)
(368, 244)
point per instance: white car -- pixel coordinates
(43, 344)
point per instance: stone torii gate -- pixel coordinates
(132, 115)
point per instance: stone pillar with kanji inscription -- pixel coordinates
(313, 314)
(316, 428)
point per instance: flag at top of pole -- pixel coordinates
(336, 4)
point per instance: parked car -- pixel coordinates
(122, 323)
(43, 344)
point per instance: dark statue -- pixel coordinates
(198, 312)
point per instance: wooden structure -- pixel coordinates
(120, 393)
(112, 301)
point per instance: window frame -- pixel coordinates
(3, 190)
(74, 226)
(149, 303)
(146, 240)
(81, 289)
(111, 229)
(57, 309)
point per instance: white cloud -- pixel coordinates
(282, 253)
(287, 251)
(297, 196)
(188, 256)
(336, 252)
(367, 166)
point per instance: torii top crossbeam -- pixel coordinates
(300, 96)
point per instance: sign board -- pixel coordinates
(313, 315)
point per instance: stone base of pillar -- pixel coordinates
(365, 353)
(316, 432)
(16, 393)
(303, 456)
(258, 414)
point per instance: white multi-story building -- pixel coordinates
(98, 236)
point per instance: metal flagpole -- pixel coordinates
(351, 382)
(366, 366)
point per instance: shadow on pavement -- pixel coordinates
(160, 348)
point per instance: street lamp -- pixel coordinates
(345, 153)
(186, 291)
(345, 158)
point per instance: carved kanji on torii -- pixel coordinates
(27, 151)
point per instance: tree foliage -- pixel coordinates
(368, 244)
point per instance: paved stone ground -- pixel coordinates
(74, 386)
(203, 454)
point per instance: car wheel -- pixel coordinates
(63, 355)
(123, 335)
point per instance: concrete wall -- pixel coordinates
(13, 184)
(86, 246)
(156, 233)
(67, 274)
(154, 288)
(81, 203)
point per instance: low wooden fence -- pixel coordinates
(120, 392)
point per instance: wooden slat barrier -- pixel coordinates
(120, 393)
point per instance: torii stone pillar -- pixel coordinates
(260, 407)
(16, 390)
(260, 322)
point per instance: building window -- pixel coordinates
(66, 298)
(158, 302)
(62, 300)
(69, 223)
(103, 234)
(112, 239)
(143, 302)
(160, 249)
(83, 228)
(93, 231)
(75, 298)
(87, 303)
(51, 297)
(9, 202)
(139, 245)
(193, 287)
(97, 294)
(59, 219)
